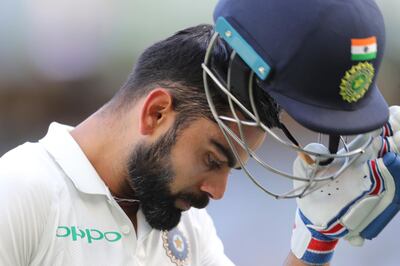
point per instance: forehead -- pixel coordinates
(252, 136)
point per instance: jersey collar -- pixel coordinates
(69, 156)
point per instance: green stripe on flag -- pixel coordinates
(362, 57)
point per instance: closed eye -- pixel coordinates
(213, 163)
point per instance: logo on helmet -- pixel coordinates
(356, 82)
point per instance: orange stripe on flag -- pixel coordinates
(363, 42)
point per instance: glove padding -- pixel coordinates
(358, 204)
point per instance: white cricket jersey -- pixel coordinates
(56, 210)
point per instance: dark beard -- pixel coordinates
(150, 174)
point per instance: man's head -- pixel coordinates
(180, 157)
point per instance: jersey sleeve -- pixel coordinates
(213, 250)
(24, 208)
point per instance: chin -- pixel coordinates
(166, 221)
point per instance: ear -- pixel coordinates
(157, 107)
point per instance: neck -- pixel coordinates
(100, 138)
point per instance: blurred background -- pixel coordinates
(61, 60)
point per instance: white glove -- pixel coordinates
(357, 205)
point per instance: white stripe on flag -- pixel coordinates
(364, 49)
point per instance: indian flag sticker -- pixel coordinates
(364, 49)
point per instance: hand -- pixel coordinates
(357, 205)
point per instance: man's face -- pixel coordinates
(183, 169)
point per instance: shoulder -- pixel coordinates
(29, 161)
(25, 175)
(27, 202)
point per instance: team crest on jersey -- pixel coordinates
(356, 82)
(176, 246)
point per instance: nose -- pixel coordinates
(215, 186)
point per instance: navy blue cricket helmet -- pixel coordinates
(317, 59)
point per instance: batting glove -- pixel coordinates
(357, 205)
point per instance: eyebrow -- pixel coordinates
(227, 153)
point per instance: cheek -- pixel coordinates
(188, 169)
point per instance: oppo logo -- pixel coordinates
(89, 234)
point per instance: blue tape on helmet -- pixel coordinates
(242, 48)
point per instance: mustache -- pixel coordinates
(198, 201)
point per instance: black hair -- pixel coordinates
(175, 64)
